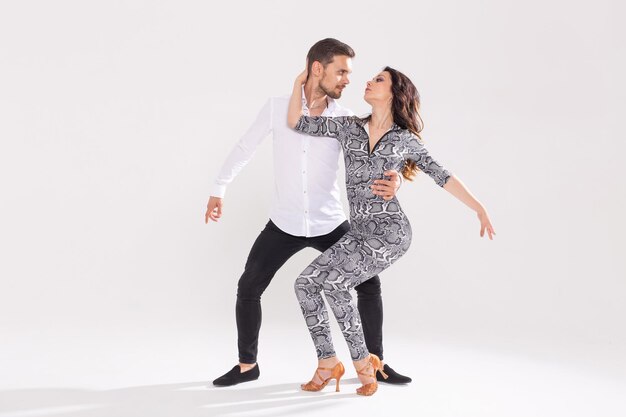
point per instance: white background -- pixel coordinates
(116, 116)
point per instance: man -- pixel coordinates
(306, 209)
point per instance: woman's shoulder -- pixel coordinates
(402, 132)
(410, 138)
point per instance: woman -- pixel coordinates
(379, 232)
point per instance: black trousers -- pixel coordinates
(270, 251)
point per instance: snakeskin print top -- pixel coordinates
(364, 166)
(392, 150)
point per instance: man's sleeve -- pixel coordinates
(244, 150)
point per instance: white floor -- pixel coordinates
(127, 377)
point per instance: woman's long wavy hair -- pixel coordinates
(405, 107)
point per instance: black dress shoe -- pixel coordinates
(235, 376)
(393, 376)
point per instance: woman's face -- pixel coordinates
(378, 89)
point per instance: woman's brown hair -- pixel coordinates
(405, 109)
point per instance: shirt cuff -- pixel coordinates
(218, 191)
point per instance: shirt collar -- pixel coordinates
(332, 105)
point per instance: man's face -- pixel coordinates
(335, 77)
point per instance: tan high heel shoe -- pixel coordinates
(370, 389)
(336, 372)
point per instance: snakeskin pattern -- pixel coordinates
(379, 234)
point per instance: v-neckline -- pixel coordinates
(366, 128)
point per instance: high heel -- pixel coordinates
(370, 389)
(336, 372)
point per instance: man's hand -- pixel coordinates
(213, 209)
(387, 188)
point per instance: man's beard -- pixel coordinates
(330, 93)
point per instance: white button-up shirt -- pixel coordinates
(306, 199)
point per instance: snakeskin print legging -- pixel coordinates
(367, 249)
(379, 231)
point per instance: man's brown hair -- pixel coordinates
(324, 51)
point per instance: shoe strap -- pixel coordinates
(319, 375)
(328, 369)
(360, 371)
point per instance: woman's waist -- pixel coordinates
(380, 224)
(377, 212)
(374, 206)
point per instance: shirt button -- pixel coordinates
(304, 172)
(304, 191)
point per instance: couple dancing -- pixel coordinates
(306, 210)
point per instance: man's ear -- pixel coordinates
(317, 68)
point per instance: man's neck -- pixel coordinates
(315, 99)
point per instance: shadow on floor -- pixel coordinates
(191, 399)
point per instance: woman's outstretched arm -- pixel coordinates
(416, 152)
(455, 187)
(295, 103)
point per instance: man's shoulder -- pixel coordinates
(283, 100)
(339, 110)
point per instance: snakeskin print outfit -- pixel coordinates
(379, 233)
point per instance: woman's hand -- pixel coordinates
(455, 187)
(295, 102)
(302, 77)
(485, 224)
